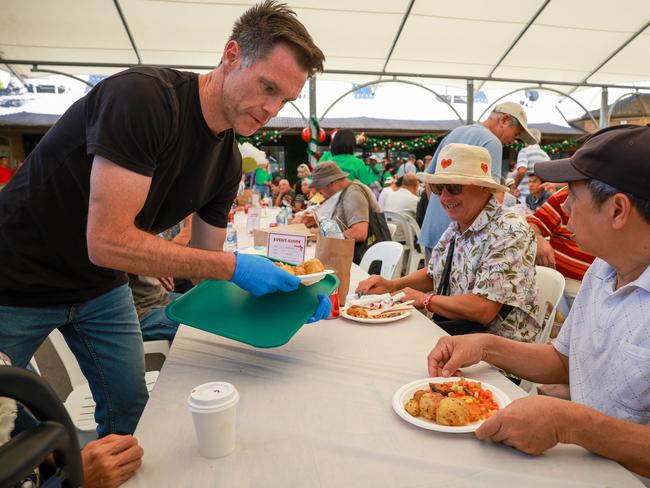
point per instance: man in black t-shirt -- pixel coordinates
(144, 149)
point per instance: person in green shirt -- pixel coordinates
(374, 169)
(262, 180)
(326, 156)
(342, 150)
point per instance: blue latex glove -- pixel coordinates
(259, 276)
(323, 310)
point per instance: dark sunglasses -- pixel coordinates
(451, 189)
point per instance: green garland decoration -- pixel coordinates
(263, 138)
(313, 135)
(384, 143)
(552, 148)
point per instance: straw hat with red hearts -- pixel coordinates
(462, 164)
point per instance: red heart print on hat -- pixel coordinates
(484, 167)
(445, 163)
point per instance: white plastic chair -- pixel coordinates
(390, 255)
(408, 232)
(550, 288)
(79, 403)
(392, 228)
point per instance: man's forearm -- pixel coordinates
(613, 438)
(465, 307)
(418, 280)
(519, 175)
(358, 232)
(538, 232)
(539, 363)
(138, 252)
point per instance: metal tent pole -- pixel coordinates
(313, 146)
(470, 102)
(604, 113)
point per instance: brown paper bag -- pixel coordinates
(244, 198)
(337, 254)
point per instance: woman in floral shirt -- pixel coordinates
(481, 276)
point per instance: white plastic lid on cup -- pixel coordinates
(212, 397)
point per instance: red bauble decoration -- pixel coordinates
(305, 134)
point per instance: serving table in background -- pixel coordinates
(316, 412)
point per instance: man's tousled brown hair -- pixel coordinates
(270, 23)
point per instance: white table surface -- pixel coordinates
(316, 412)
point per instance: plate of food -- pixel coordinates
(367, 315)
(309, 272)
(454, 404)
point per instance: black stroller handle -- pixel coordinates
(55, 433)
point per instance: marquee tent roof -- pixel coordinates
(293, 125)
(570, 41)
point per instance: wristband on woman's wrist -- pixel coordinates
(427, 299)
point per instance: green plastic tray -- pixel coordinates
(222, 308)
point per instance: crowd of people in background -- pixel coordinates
(392, 182)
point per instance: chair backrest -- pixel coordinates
(390, 255)
(550, 288)
(67, 358)
(72, 366)
(407, 228)
(392, 228)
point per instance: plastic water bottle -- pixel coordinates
(231, 238)
(329, 228)
(282, 218)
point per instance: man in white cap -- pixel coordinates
(530, 155)
(481, 276)
(351, 204)
(390, 186)
(506, 122)
(408, 167)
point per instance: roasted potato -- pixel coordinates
(429, 404)
(452, 411)
(288, 268)
(299, 270)
(418, 394)
(413, 407)
(313, 266)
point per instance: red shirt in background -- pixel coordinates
(5, 174)
(570, 260)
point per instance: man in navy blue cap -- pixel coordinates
(603, 350)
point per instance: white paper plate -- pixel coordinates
(405, 393)
(310, 279)
(404, 314)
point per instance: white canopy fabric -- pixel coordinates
(594, 41)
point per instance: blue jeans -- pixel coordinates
(263, 190)
(104, 335)
(155, 325)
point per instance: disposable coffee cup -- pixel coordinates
(213, 406)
